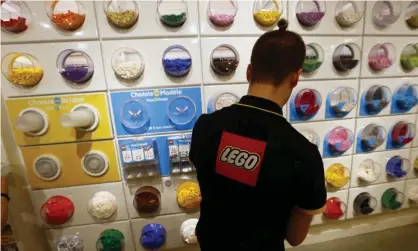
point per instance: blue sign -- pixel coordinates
(156, 111)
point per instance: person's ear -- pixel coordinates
(249, 72)
(295, 78)
(299, 72)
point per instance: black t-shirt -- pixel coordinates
(253, 167)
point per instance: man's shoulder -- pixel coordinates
(207, 118)
(294, 139)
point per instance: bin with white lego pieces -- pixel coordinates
(370, 169)
(219, 96)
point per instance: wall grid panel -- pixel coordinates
(150, 38)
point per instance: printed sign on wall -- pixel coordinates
(156, 111)
(56, 119)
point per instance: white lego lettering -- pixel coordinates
(240, 158)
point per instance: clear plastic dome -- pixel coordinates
(70, 243)
(134, 116)
(310, 12)
(307, 103)
(75, 66)
(382, 56)
(102, 205)
(22, 69)
(392, 199)
(348, 13)
(188, 195)
(377, 98)
(57, 210)
(110, 240)
(313, 58)
(127, 63)
(337, 175)
(385, 13)
(153, 236)
(311, 136)
(346, 57)
(335, 208)
(406, 97)
(224, 100)
(224, 59)
(411, 15)
(342, 100)
(188, 231)
(172, 13)
(372, 136)
(147, 200)
(177, 61)
(403, 133)
(267, 12)
(397, 167)
(66, 15)
(121, 14)
(222, 13)
(369, 171)
(365, 203)
(409, 57)
(181, 112)
(340, 139)
(15, 16)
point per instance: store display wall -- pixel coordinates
(102, 108)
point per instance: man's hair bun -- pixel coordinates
(282, 24)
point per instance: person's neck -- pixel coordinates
(267, 91)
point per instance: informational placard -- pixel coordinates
(156, 111)
(39, 120)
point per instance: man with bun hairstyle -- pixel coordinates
(261, 180)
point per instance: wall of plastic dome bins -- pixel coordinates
(104, 128)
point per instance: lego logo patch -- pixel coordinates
(239, 158)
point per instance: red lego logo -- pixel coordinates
(240, 158)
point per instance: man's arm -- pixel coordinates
(299, 224)
(310, 198)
